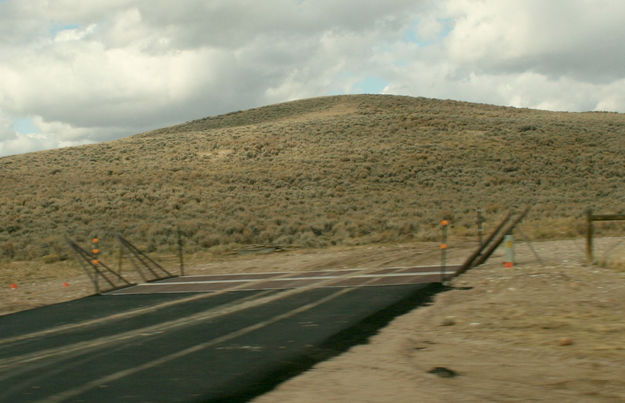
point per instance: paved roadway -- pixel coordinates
(239, 337)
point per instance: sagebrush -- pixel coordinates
(336, 170)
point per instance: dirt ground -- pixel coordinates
(551, 328)
(550, 331)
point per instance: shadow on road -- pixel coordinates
(334, 345)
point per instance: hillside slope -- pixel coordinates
(332, 170)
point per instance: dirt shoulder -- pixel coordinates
(535, 332)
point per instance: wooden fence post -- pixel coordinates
(590, 230)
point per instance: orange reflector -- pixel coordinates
(443, 246)
(509, 264)
(95, 261)
(96, 240)
(13, 286)
(444, 223)
(96, 251)
(66, 284)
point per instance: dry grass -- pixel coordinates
(341, 170)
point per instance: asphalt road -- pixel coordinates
(222, 346)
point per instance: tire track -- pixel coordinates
(15, 365)
(190, 350)
(128, 314)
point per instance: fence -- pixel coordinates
(147, 268)
(590, 218)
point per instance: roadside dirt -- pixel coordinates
(535, 332)
(550, 328)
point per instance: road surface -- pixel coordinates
(199, 338)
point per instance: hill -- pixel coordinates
(338, 170)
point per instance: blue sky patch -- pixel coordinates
(56, 28)
(412, 35)
(371, 85)
(25, 126)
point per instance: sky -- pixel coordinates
(77, 72)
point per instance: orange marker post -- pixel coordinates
(14, 286)
(95, 250)
(445, 227)
(95, 261)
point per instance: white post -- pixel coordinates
(509, 245)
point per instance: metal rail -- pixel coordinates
(140, 260)
(499, 239)
(472, 258)
(96, 270)
(487, 248)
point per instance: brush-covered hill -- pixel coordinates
(317, 172)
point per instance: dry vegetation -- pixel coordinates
(342, 170)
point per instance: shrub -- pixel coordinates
(51, 258)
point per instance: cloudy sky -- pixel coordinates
(75, 71)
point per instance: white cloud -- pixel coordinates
(46, 135)
(575, 38)
(97, 70)
(23, 143)
(73, 34)
(12, 142)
